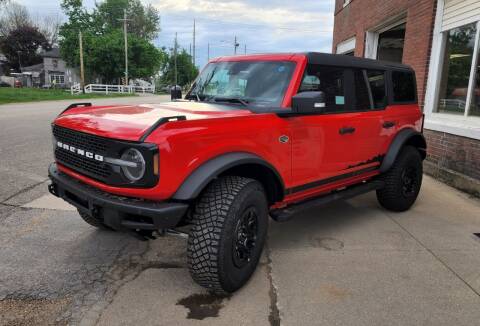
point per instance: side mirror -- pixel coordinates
(309, 102)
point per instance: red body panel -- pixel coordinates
(315, 151)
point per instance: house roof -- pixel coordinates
(37, 67)
(53, 53)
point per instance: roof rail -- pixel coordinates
(75, 105)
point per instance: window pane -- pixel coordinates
(362, 96)
(475, 104)
(457, 63)
(376, 79)
(329, 80)
(403, 86)
(390, 44)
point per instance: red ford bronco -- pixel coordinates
(256, 136)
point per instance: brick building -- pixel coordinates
(440, 39)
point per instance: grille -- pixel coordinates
(95, 169)
(80, 140)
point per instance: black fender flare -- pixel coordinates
(211, 169)
(405, 136)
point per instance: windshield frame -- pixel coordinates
(285, 98)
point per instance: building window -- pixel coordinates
(57, 79)
(452, 100)
(455, 73)
(347, 47)
(475, 97)
(390, 44)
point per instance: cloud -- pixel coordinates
(241, 11)
(263, 26)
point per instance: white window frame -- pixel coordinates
(346, 46)
(56, 77)
(462, 125)
(371, 36)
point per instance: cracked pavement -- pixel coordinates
(349, 263)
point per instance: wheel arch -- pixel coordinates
(403, 138)
(237, 163)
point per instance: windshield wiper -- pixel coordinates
(231, 100)
(193, 96)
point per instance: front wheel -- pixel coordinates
(229, 229)
(402, 181)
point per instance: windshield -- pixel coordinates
(259, 83)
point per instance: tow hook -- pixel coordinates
(52, 188)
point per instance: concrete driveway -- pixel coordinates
(349, 263)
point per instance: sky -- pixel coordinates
(261, 25)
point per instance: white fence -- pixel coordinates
(101, 88)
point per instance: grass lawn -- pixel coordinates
(16, 95)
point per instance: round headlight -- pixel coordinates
(136, 170)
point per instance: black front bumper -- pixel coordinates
(119, 213)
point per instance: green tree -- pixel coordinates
(144, 21)
(104, 41)
(21, 46)
(186, 71)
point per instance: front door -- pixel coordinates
(343, 139)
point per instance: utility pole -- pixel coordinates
(208, 52)
(125, 20)
(235, 45)
(175, 58)
(194, 42)
(245, 49)
(19, 61)
(82, 71)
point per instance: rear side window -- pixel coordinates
(363, 96)
(376, 81)
(329, 80)
(403, 86)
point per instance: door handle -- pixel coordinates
(346, 130)
(388, 124)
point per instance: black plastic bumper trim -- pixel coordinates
(120, 213)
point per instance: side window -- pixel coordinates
(403, 86)
(376, 81)
(363, 96)
(329, 80)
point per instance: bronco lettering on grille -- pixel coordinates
(80, 152)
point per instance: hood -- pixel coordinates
(132, 121)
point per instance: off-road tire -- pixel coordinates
(393, 196)
(212, 244)
(93, 221)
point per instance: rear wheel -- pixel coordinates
(229, 230)
(402, 181)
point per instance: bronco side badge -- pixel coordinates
(283, 139)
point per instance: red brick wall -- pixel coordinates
(453, 152)
(363, 15)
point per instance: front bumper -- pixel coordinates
(119, 213)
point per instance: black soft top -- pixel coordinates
(354, 62)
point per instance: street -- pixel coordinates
(348, 263)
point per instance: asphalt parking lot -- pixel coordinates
(349, 263)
